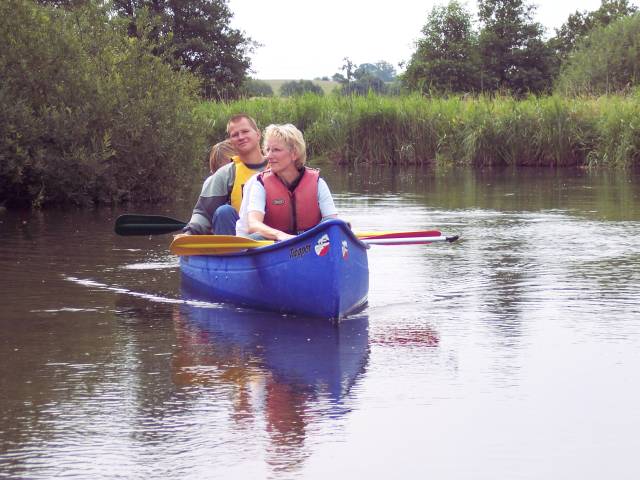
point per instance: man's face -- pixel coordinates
(243, 137)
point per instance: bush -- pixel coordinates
(607, 61)
(300, 87)
(256, 88)
(89, 114)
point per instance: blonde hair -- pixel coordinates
(220, 155)
(291, 137)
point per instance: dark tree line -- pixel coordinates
(191, 34)
(506, 53)
(360, 79)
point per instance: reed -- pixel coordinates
(479, 131)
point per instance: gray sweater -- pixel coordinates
(216, 191)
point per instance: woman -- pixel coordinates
(288, 198)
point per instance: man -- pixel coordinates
(219, 202)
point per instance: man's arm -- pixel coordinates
(215, 192)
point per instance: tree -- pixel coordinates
(605, 61)
(513, 54)
(198, 35)
(360, 79)
(90, 115)
(300, 87)
(579, 24)
(338, 77)
(364, 85)
(381, 70)
(446, 58)
(64, 3)
(386, 71)
(256, 88)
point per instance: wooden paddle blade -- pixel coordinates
(134, 224)
(214, 244)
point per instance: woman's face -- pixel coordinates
(280, 158)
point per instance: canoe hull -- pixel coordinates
(321, 273)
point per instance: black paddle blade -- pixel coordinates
(133, 224)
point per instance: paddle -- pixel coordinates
(135, 224)
(219, 244)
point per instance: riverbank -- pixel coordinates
(156, 160)
(538, 131)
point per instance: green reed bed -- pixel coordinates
(619, 128)
(482, 131)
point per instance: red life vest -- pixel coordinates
(294, 211)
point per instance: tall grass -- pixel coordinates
(483, 131)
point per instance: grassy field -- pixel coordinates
(327, 85)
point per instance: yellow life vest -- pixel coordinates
(243, 173)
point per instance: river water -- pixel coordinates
(512, 353)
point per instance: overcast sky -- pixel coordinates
(305, 39)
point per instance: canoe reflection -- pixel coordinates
(289, 371)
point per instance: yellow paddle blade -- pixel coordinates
(214, 244)
(221, 244)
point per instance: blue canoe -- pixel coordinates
(323, 272)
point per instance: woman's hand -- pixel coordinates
(281, 236)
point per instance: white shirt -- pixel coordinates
(254, 199)
(242, 225)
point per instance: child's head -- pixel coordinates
(221, 154)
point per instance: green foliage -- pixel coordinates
(364, 85)
(89, 114)
(381, 70)
(198, 35)
(483, 131)
(446, 57)
(513, 54)
(300, 87)
(579, 24)
(507, 54)
(607, 61)
(256, 88)
(619, 128)
(366, 77)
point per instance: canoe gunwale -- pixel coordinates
(297, 239)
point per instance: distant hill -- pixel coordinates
(327, 85)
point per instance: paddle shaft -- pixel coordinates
(137, 224)
(220, 244)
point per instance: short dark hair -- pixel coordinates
(240, 116)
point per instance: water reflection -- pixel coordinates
(487, 349)
(285, 375)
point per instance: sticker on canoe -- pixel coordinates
(322, 245)
(345, 250)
